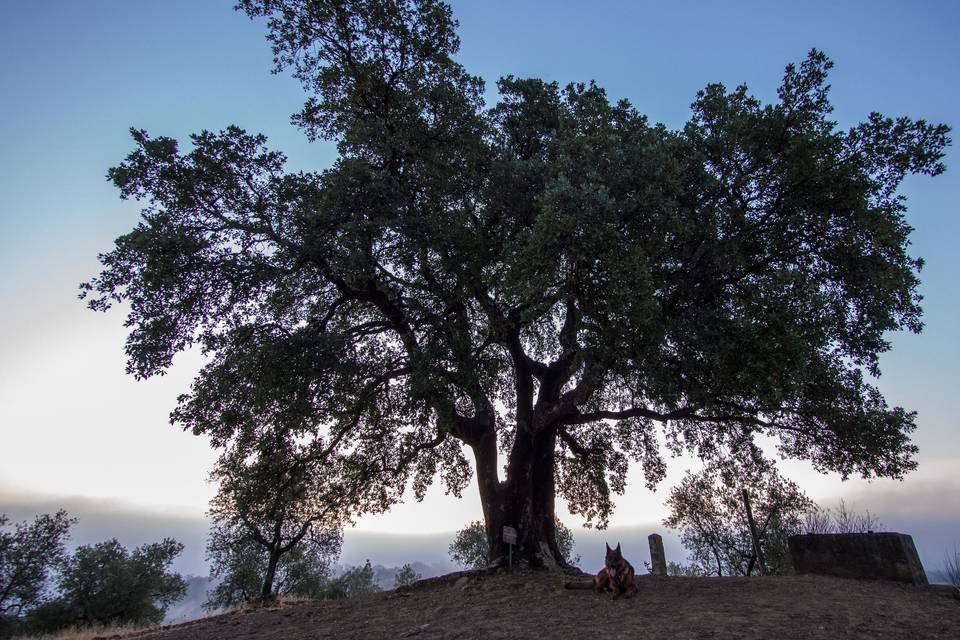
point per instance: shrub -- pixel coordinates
(104, 584)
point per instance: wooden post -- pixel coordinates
(753, 532)
(658, 562)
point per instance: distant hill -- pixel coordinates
(385, 575)
(191, 606)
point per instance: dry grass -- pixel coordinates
(90, 633)
(253, 605)
(129, 630)
(951, 566)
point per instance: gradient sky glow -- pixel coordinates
(75, 76)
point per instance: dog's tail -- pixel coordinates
(578, 585)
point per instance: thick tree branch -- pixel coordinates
(677, 414)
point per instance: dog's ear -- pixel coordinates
(618, 547)
(608, 545)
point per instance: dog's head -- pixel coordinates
(613, 560)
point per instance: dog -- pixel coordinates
(617, 576)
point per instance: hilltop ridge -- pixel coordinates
(534, 604)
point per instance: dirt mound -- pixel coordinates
(535, 605)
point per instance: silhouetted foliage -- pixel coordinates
(27, 554)
(240, 565)
(685, 570)
(951, 566)
(548, 279)
(357, 581)
(841, 519)
(817, 520)
(406, 576)
(277, 520)
(470, 549)
(708, 509)
(104, 584)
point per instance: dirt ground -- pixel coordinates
(536, 605)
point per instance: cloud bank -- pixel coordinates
(929, 511)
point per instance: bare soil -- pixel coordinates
(536, 605)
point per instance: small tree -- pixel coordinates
(406, 576)
(240, 564)
(278, 516)
(277, 498)
(708, 508)
(357, 581)
(104, 584)
(236, 566)
(470, 548)
(27, 554)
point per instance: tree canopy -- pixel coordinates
(709, 510)
(239, 566)
(277, 518)
(553, 279)
(105, 584)
(27, 554)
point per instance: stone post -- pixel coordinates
(658, 563)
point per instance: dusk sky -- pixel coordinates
(74, 76)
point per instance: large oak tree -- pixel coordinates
(553, 284)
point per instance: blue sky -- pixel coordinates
(76, 75)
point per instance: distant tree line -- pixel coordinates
(43, 589)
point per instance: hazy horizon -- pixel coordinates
(925, 512)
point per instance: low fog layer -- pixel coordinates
(928, 511)
(102, 519)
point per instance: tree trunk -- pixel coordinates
(485, 458)
(524, 501)
(266, 593)
(754, 536)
